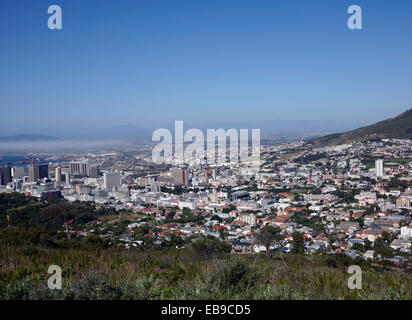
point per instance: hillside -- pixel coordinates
(399, 127)
(97, 267)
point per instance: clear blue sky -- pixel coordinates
(151, 62)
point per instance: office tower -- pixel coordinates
(176, 175)
(74, 167)
(58, 174)
(98, 193)
(93, 171)
(67, 178)
(43, 171)
(180, 176)
(37, 172)
(5, 175)
(185, 177)
(110, 180)
(379, 168)
(79, 168)
(123, 193)
(214, 174)
(84, 167)
(155, 187)
(213, 195)
(17, 184)
(33, 172)
(17, 172)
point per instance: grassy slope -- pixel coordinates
(95, 273)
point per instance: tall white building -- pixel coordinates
(248, 218)
(110, 180)
(85, 167)
(155, 187)
(67, 178)
(379, 167)
(58, 174)
(406, 232)
(17, 172)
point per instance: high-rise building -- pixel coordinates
(58, 174)
(100, 193)
(93, 171)
(180, 176)
(37, 172)
(155, 187)
(110, 180)
(75, 167)
(67, 178)
(213, 196)
(17, 172)
(379, 168)
(5, 175)
(84, 167)
(33, 172)
(43, 171)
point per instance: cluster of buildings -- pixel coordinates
(341, 198)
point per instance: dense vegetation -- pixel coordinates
(96, 268)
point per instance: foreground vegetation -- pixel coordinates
(196, 272)
(32, 238)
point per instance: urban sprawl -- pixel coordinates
(342, 199)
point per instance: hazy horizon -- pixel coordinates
(268, 127)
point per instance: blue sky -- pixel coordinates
(152, 62)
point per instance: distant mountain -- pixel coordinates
(280, 127)
(124, 132)
(27, 138)
(399, 127)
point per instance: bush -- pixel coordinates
(234, 275)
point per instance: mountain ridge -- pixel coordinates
(27, 137)
(398, 127)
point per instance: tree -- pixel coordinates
(140, 232)
(207, 248)
(222, 234)
(379, 243)
(368, 244)
(384, 252)
(298, 243)
(386, 236)
(267, 235)
(216, 217)
(65, 213)
(175, 240)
